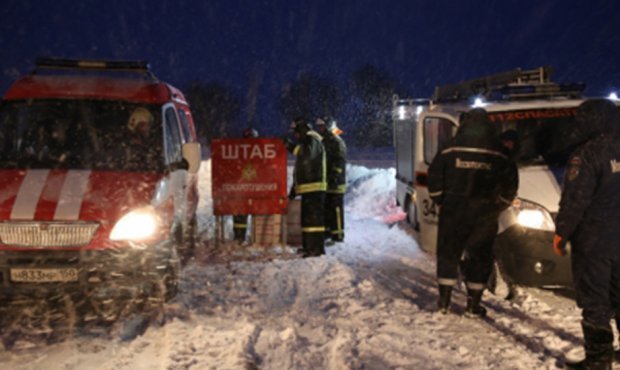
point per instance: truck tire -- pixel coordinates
(169, 281)
(188, 242)
(499, 285)
(184, 236)
(412, 213)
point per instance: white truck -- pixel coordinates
(541, 113)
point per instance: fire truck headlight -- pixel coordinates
(533, 216)
(138, 225)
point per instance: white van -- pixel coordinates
(541, 113)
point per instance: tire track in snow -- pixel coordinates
(401, 276)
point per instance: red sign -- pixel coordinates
(248, 176)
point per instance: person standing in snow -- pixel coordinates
(472, 181)
(336, 151)
(240, 222)
(588, 217)
(309, 181)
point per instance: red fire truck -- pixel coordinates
(98, 181)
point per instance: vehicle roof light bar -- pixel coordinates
(396, 101)
(540, 90)
(85, 64)
(485, 85)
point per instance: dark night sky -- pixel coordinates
(259, 46)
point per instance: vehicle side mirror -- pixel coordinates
(191, 153)
(183, 164)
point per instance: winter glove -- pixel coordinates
(559, 245)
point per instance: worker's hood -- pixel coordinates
(475, 130)
(596, 117)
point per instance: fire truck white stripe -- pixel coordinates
(71, 196)
(28, 196)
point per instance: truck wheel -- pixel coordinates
(188, 242)
(168, 285)
(412, 213)
(499, 285)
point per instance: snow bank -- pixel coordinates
(368, 304)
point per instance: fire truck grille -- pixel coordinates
(46, 234)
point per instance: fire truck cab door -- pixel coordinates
(177, 178)
(434, 133)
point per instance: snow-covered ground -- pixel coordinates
(368, 304)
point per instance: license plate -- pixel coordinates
(44, 275)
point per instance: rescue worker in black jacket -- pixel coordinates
(336, 151)
(589, 217)
(240, 222)
(309, 181)
(471, 181)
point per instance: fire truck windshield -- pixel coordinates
(81, 134)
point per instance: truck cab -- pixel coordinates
(539, 114)
(98, 181)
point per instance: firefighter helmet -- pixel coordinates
(250, 133)
(329, 124)
(140, 120)
(325, 121)
(301, 126)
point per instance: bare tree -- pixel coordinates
(309, 97)
(216, 109)
(374, 89)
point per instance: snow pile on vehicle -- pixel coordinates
(371, 194)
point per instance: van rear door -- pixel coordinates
(434, 133)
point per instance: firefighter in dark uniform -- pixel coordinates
(589, 217)
(472, 181)
(309, 181)
(336, 151)
(240, 222)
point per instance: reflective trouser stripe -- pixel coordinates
(309, 188)
(338, 230)
(341, 189)
(240, 226)
(444, 281)
(475, 286)
(313, 229)
(435, 193)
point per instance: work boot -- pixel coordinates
(445, 293)
(599, 348)
(474, 309)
